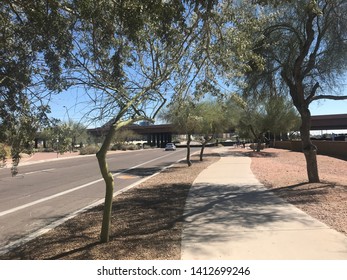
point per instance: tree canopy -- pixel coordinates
(33, 47)
(256, 117)
(307, 49)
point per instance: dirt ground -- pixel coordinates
(285, 173)
(147, 220)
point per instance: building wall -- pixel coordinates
(329, 148)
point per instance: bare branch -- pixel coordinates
(331, 97)
(312, 93)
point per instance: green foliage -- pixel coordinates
(32, 47)
(63, 137)
(202, 119)
(125, 135)
(183, 116)
(18, 130)
(257, 116)
(305, 46)
(213, 119)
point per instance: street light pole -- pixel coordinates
(67, 113)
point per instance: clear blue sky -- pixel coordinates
(329, 107)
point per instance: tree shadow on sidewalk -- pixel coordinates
(220, 212)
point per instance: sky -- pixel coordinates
(72, 105)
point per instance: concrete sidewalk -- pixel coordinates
(230, 215)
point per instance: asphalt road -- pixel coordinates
(44, 193)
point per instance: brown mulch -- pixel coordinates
(146, 223)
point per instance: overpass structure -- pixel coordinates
(329, 122)
(159, 135)
(155, 135)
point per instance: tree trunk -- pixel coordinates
(202, 150)
(188, 149)
(310, 150)
(15, 161)
(204, 143)
(109, 182)
(259, 144)
(107, 175)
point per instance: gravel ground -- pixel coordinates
(285, 173)
(147, 220)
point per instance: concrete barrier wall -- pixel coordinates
(329, 148)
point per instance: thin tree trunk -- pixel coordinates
(107, 175)
(258, 144)
(15, 161)
(202, 150)
(109, 182)
(274, 142)
(203, 145)
(310, 150)
(188, 150)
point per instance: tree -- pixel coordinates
(124, 55)
(18, 131)
(184, 117)
(125, 135)
(63, 137)
(258, 116)
(212, 120)
(219, 51)
(119, 52)
(307, 47)
(33, 45)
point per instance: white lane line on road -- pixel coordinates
(12, 210)
(47, 198)
(39, 171)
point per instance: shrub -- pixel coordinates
(254, 146)
(132, 147)
(46, 150)
(89, 150)
(117, 146)
(147, 146)
(124, 147)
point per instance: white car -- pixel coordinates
(170, 147)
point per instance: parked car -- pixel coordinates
(170, 147)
